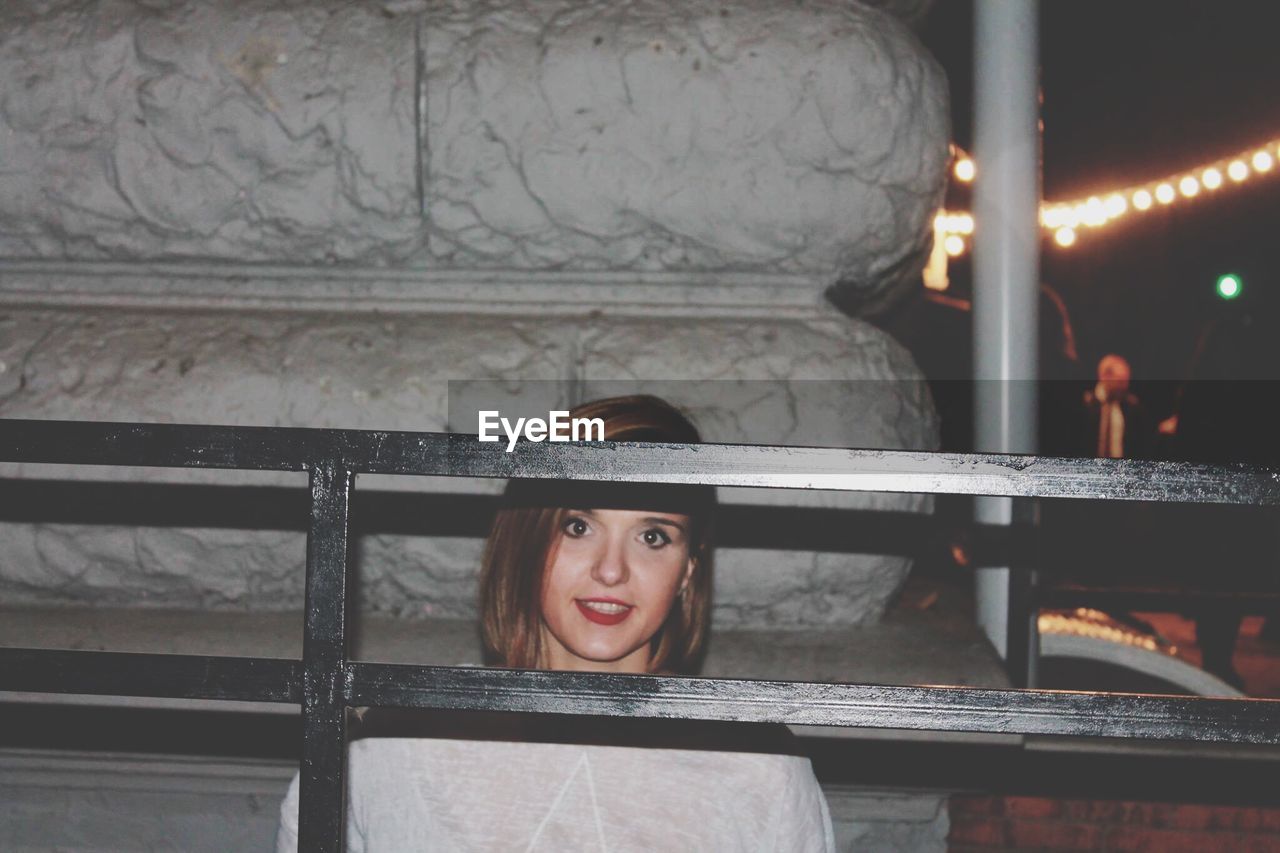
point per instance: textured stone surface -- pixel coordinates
(799, 137)
(232, 129)
(369, 371)
(911, 11)
(807, 138)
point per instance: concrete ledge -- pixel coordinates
(888, 820)
(102, 801)
(52, 800)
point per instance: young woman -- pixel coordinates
(602, 578)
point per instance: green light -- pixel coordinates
(1229, 286)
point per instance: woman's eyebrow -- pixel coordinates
(667, 521)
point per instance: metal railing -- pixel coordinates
(325, 683)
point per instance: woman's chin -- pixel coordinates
(606, 658)
(603, 657)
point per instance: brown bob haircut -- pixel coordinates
(526, 531)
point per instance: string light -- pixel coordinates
(1065, 219)
(1093, 214)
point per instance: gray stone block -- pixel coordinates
(707, 135)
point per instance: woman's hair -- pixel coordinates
(528, 525)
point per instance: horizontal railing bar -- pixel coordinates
(162, 445)
(244, 507)
(1157, 599)
(958, 709)
(363, 451)
(137, 674)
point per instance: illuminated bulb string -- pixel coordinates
(1066, 219)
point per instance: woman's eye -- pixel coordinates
(655, 538)
(575, 527)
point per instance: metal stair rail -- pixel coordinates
(325, 683)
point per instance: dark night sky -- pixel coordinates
(1135, 90)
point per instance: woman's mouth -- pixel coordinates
(603, 611)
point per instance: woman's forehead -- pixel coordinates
(658, 498)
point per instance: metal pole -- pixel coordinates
(1006, 259)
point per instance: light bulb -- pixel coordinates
(1189, 186)
(1093, 214)
(1065, 236)
(954, 245)
(1142, 200)
(1262, 161)
(1237, 171)
(1229, 286)
(965, 170)
(1212, 179)
(1164, 193)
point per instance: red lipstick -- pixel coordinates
(602, 618)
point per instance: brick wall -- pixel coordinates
(1034, 823)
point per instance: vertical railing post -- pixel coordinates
(322, 792)
(1023, 644)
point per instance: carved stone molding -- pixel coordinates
(741, 135)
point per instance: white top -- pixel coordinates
(469, 795)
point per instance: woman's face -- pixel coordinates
(611, 578)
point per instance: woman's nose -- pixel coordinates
(610, 566)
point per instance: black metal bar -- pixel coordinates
(280, 448)
(167, 676)
(938, 708)
(1022, 640)
(1157, 599)
(162, 445)
(322, 792)
(816, 703)
(242, 507)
